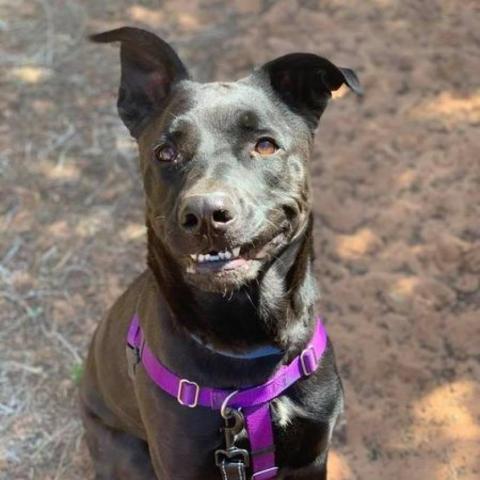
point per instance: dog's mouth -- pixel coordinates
(235, 259)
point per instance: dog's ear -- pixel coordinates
(304, 81)
(150, 67)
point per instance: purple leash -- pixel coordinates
(254, 402)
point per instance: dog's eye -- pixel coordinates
(266, 146)
(165, 153)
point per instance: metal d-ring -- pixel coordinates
(224, 406)
(234, 425)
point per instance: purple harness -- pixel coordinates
(253, 402)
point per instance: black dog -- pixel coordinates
(228, 213)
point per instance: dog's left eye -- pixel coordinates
(165, 153)
(266, 146)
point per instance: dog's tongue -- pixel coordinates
(221, 265)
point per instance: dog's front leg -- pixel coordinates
(116, 455)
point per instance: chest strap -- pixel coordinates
(253, 401)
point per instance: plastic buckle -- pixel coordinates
(231, 469)
(308, 361)
(232, 455)
(180, 392)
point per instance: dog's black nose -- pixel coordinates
(214, 210)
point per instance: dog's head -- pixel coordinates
(225, 165)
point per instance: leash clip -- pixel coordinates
(231, 460)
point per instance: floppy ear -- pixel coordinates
(304, 81)
(150, 67)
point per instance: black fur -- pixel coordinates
(265, 207)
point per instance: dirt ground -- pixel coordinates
(397, 204)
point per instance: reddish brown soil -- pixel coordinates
(397, 206)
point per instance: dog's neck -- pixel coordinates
(276, 309)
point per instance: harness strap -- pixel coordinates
(190, 394)
(254, 401)
(262, 449)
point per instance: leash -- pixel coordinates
(248, 408)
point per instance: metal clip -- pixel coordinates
(234, 424)
(133, 359)
(232, 460)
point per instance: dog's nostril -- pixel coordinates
(190, 220)
(221, 216)
(290, 212)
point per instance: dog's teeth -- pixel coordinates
(190, 269)
(217, 256)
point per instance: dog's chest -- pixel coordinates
(185, 439)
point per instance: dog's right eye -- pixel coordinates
(165, 153)
(266, 146)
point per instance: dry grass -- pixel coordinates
(397, 182)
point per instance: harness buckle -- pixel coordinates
(233, 463)
(232, 455)
(184, 394)
(133, 359)
(308, 361)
